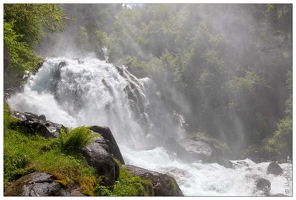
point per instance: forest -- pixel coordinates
(227, 68)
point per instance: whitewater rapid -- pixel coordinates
(198, 179)
(92, 92)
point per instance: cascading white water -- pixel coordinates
(92, 92)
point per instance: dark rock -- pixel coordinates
(274, 168)
(97, 155)
(40, 184)
(79, 61)
(197, 146)
(38, 124)
(224, 162)
(62, 64)
(110, 141)
(163, 185)
(264, 186)
(174, 147)
(200, 148)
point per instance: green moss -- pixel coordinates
(65, 167)
(126, 185)
(171, 184)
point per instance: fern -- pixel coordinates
(74, 140)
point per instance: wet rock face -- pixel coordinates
(200, 148)
(274, 168)
(97, 156)
(163, 185)
(38, 124)
(264, 186)
(113, 148)
(40, 184)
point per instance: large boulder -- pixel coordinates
(263, 186)
(40, 184)
(274, 168)
(201, 148)
(37, 124)
(198, 146)
(110, 141)
(98, 156)
(163, 185)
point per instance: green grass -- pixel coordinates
(73, 140)
(126, 185)
(65, 167)
(26, 152)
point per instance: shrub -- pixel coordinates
(279, 145)
(74, 140)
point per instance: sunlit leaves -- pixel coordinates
(22, 57)
(31, 19)
(24, 24)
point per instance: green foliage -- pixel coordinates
(8, 119)
(248, 83)
(20, 149)
(21, 53)
(92, 40)
(65, 167)
(83, 38)
(23, 26)
(25, 153)
(279, 145)
(22, 57)
(73, 140)
(126, 185)
(31, 19)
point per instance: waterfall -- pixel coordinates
(76, 92)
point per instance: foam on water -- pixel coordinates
(199, 179)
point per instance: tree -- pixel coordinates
(30, 20)
(23, 26)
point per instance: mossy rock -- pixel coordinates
(163, 185)
(41, 184)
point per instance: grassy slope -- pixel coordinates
(26, 152)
